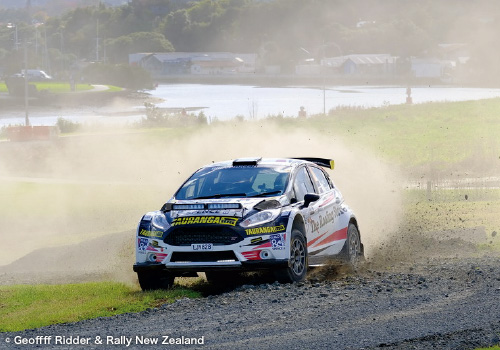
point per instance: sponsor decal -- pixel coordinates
(147, 233)
(325, 219)
(204, 212)
(160, 257)
(150, 248)
(191, 220)
(142, 243)
(328, 238)
(154, 246)
(277, 241)
(256, 240)
(253, 255)
(264, 230)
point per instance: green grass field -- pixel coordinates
(32, 306)
(437, 134)
(58, 87)
(61, 87)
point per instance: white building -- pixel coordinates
(194, 63)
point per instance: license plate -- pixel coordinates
(202, 246)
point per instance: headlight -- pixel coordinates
(148, 216)
(261, 218)
(159, 221)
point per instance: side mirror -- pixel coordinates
(309, 198)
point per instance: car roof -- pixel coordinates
(272, 162)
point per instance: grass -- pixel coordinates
(432, 134)
(58, 87)
(61, 87)
(32, 306)
(112, 88)
(447, 210)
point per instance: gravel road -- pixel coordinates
(440, 304)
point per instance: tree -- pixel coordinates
(119, 48)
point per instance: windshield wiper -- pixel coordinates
(266, 193)
(222, 195)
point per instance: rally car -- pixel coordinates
(248, 214)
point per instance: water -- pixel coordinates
(228, 101)
(225, 102)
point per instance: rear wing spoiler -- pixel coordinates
(324, 162)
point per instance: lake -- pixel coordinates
(250, 102)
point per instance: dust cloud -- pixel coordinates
(75, 202)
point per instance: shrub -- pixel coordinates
(67, 126)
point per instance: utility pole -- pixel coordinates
(97, 42)
(16, 39)
(323, 73)
(26, 106)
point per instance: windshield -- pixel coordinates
(240, 181)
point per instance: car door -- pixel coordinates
(325, 233)
(303, 185)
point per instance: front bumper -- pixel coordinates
(207, 266)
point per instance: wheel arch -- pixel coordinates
(299, 224)
(354, 221)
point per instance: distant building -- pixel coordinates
(426, 67)
(351, 65)
(433, 68)
(447, 64)
(369, 65)
(194, 63)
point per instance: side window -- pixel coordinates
(302, 184)
(320, 180)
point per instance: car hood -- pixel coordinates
(246, 205)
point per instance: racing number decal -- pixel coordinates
(142, 244)
(277, 241)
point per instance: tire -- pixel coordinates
(352, 252)
(155, 280)
(297, 266)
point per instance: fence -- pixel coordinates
(28, 133)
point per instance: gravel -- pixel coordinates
(440, 304)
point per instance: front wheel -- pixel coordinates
(155, 280)
(297, 264)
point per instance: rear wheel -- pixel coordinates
(297, 265)
(352, 252)
(155, 280)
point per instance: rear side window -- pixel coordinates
(320, 180)
(302, 184)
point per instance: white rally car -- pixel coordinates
(248, 214)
